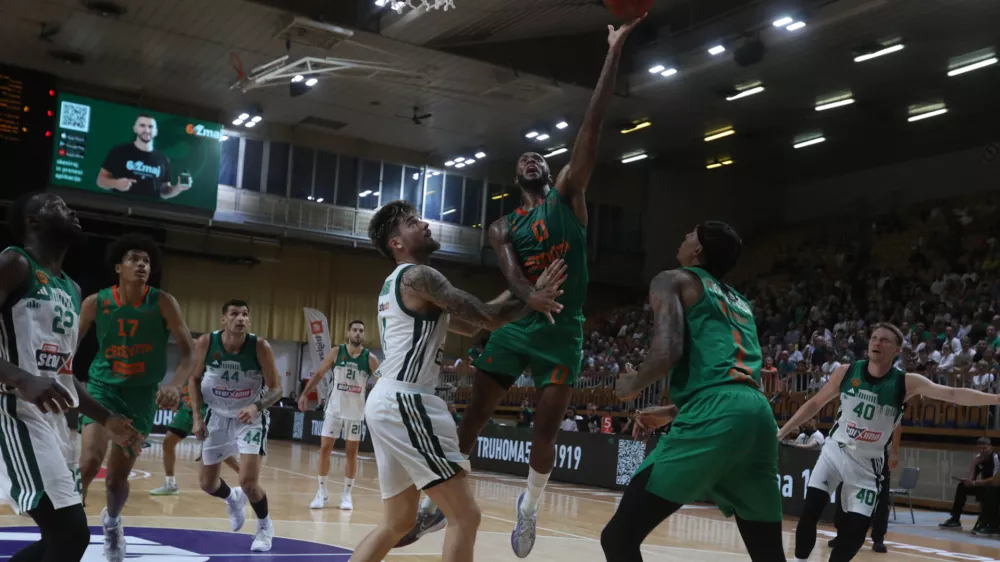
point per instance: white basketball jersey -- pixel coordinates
(231, 381)
(350, 379)
(412, 342)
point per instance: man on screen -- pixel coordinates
(137, 168)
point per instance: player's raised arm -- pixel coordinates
(812, 406)
(918, 385)
(574, 177)
(666, 298)
(518, 282)
(169, 395)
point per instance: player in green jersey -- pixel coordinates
(180, 427)
(721, 444)
(133, 322)
(39, 313)
(551, 224)
(872, 393)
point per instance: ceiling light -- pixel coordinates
(499, 197)
(320, 200)
(927, 114)
(562, 125)
(224, 138)
(416, 175)
(449, 163)
(542, 137)
(745, 93)
(312, 82)
(657, 68)
(634, 158)
(435, 174)
(243, 116)
(376, 194)
(556, 152)
(782, 22)
(310, 197)
(713, 166)
(719, 135)
(298, 78)
(973, 66)
(881, 52)
(470, 161)
(717, 50)
(636, 127)
(448, 212)
(480, 155)
(668, 72)
(256, 118)
(719, 164)
(365, 193)
(460, 159)
(833, 104)
(237, 122)
(531, 135)
(809, 142)
(250, 124)
(466, 160)
(796, 26)
(459, 165)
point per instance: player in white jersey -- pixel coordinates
(344, 416)
(39, 325)
(413, 433)
(872, 394)
(237, 378)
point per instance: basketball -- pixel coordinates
(628, 9)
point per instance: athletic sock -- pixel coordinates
(260, 508)
(348, 484)
(322, 482)
(111, 521)
(224, 491)
(171, 481)
(426, 505)
(536, 485)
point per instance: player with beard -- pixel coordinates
(872, 393)
(344, 416)
(137, 168)
(551, 224)
(133, 322)
(413, 433)
(40, 310)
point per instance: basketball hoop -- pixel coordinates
(399, 5)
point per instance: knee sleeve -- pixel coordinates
(805, 532)
(850, 537)
(65, 534)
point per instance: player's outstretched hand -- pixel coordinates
(199, 430)
(303, 403)
(542, 299)
(651, 418)
(248, 413)
(124, 434)
(617, 37)
(168, 397)
(44, 392)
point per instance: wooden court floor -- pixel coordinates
(193, 527)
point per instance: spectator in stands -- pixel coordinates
(769, 376)
(982, 470)
(569, 421)
(526, 415)
(809, 437)
(593, 420)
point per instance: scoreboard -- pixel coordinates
(27, 119)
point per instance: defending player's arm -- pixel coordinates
(918, 385)
(468, 329)
(43, 392)
(272, 382)
(812, 406)
(510, 266)
(168, 396)
(428, 284)
(317, 378)
(667, 343)
(574, 177)
(194, 386)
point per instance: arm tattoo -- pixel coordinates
(428, 283)
(667, 343)
(269, 399)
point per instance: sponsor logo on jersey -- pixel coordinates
(353, 389)
(384, 306)
(42, 278)
(232, 393)
(862, 434)
(216, 356)
(49, 359)
(534, 265)
(127, 351)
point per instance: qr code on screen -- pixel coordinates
(75, 117)
(630, 456)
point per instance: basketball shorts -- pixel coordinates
(553, 352)
(182, 421)
(135, 403)
(862, 477)
(721, 448)
(414, 437)
(37, 457)
(335, 426)
(229, 437)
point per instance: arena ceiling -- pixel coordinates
(491, 70)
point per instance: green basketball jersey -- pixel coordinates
(39, 324)
(720, 345)
(544, 234)
(350, 378)
(131, 340)
(870, 409)
(231, 381)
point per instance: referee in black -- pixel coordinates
(880, 519)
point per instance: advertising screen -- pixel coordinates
(135, 153)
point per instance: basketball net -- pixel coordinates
(399, 5)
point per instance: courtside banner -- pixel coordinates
(318, 332)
